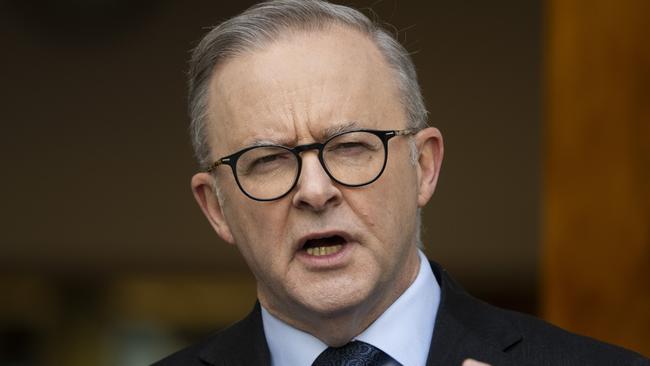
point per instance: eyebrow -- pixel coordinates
(335, 130)
(323, 136)
(264, 142)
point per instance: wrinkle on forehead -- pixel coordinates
(297, 90)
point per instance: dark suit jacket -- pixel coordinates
(465, 328)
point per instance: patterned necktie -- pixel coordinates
(355, 353)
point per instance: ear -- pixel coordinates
(203, 189)
(430, 153)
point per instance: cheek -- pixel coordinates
(395, 198)
(257, 226)
(387, 207)
(398, 184)
(255, 231)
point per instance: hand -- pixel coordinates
(471, 362)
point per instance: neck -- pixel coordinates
(340, 327)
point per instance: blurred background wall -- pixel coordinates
(596, 192)
(105, 258)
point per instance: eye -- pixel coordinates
(275, 162)
(347, 148)
(267, 159)
(350, 145)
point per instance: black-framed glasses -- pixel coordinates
(353, 159)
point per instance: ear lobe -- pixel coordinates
(202, 187)
(430, 153)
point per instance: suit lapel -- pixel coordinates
(467, 328)
(243, 343)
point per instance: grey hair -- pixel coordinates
(267, 22)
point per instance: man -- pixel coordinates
(309, 122)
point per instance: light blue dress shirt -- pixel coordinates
(403, 331)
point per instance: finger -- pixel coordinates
(471, 362)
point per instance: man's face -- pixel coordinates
(294, 91)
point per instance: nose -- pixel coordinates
(315, 190)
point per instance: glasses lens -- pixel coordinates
(267, 172)
(355, 158)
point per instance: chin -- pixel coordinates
(335, 300)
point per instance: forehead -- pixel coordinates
(300, 88)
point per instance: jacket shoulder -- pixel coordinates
(188, 356)
(468, 325)
(550, 344)
(243, 343)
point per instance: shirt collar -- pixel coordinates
(403, 331)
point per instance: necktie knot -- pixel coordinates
(355, 353)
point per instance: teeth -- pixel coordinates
(319, 251)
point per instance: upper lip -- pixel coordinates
(322, 234)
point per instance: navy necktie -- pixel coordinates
(355, 353)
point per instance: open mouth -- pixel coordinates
(324, 246)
